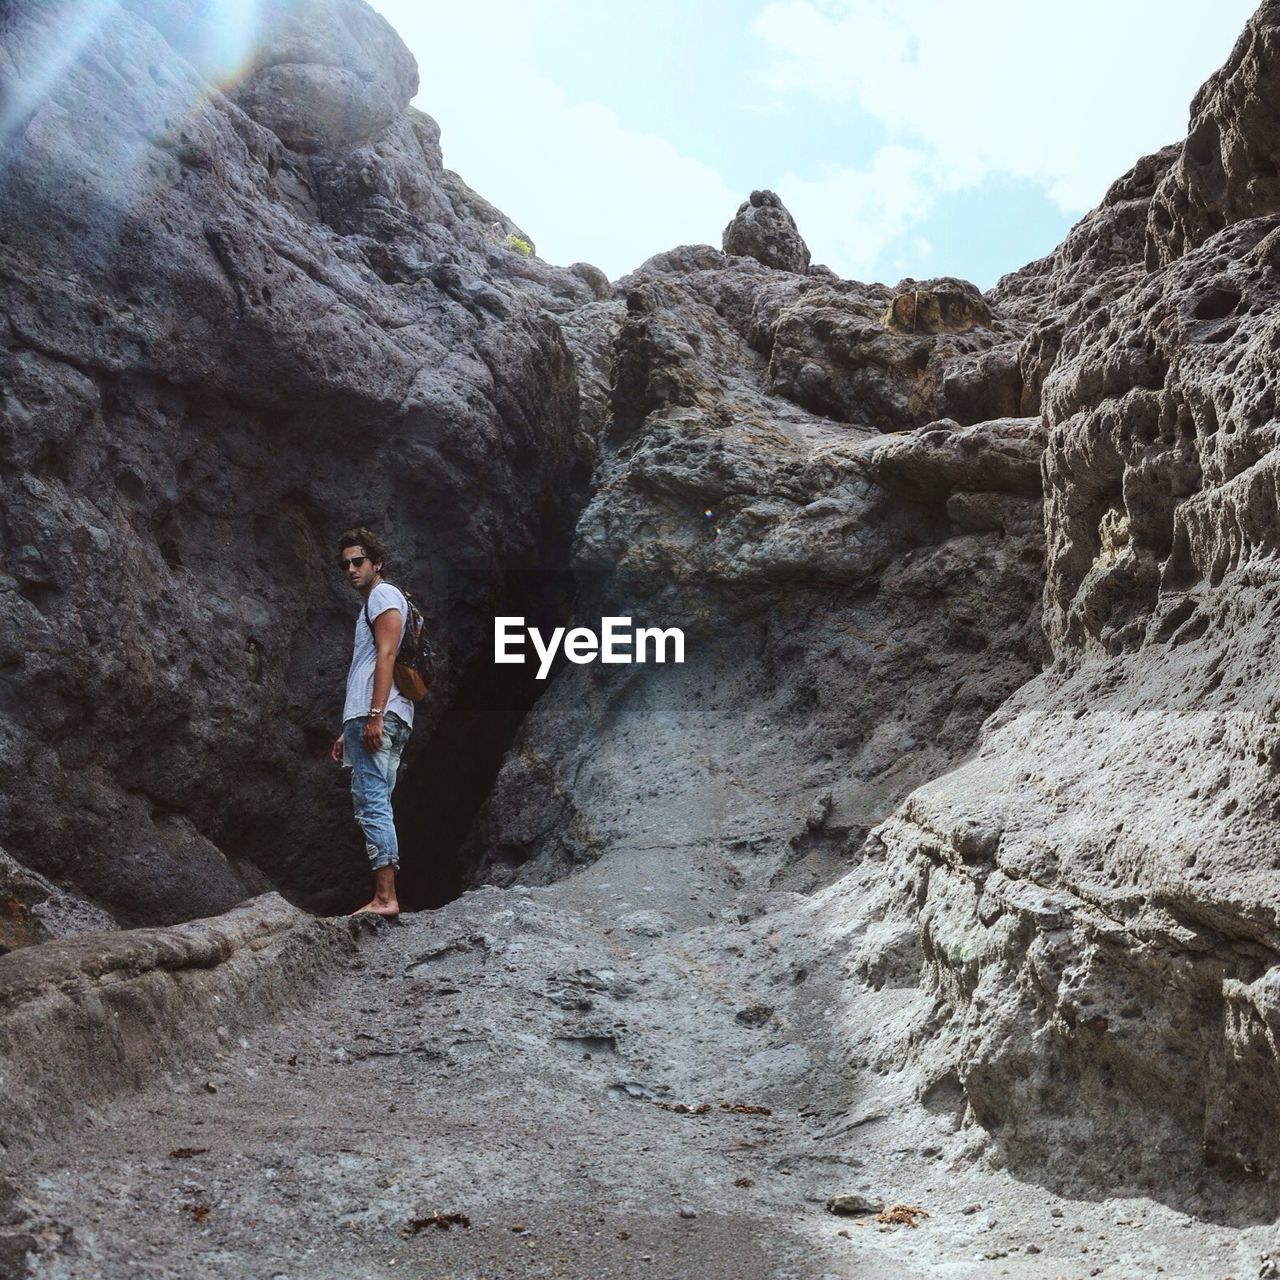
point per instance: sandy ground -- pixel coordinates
(520, 1057)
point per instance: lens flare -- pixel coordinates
(218, 39)
(40, 57)
(222, 43)
(101, 106)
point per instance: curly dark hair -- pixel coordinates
(374, 547)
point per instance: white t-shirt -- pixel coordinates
(364, 655)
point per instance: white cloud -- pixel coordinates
(1066, 98)
(574, 176)
(957, 94)
(859, 217)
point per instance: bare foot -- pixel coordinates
(388, 910)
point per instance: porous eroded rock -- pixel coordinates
(240, 319)
(763, 229)
(834, 350)
(1089, 903)
(1101, 258)
(331, 75)
(1228, 169)
(937, 306)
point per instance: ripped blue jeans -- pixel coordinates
(373, 779)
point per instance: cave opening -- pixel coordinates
(449, 777)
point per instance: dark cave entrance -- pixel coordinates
(446, 780)
(443, 786)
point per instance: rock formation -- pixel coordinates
(763, 229)
(1226, 171)
(237, 324)
(1094, 893)
(978, 591)
(853, 604)
(1084, 908)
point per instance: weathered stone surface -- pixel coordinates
(763, 229)
(853, 604)
(937, 306)
(1104, 250)
(1077, 922)
(418, 1077)
(1093, 895)
(1101, 258)
(236, 325)
(593, 278)
(943, 458)
(96, 1016)
(833, 350)
(1228, 169)
(330, 75)
(852, 1205)
(1054, 890)
(33, 909)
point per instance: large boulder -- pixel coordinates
(937, 306)
(763, 229)
(897, 358)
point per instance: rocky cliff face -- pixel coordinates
(978, 591)
(853, 604)
(1080, 914)
(237, 323)
(1094, 893)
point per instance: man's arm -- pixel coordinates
(386, 640)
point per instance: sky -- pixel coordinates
(907, 137)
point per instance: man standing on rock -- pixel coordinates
(376, 717)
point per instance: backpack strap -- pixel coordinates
(369, 623)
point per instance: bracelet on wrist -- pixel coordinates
(373, 711)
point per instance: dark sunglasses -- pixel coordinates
(355, 560)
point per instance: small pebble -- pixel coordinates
(971, 1208)
(854, 1204)
(687, 1212)
(1032, 1248)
